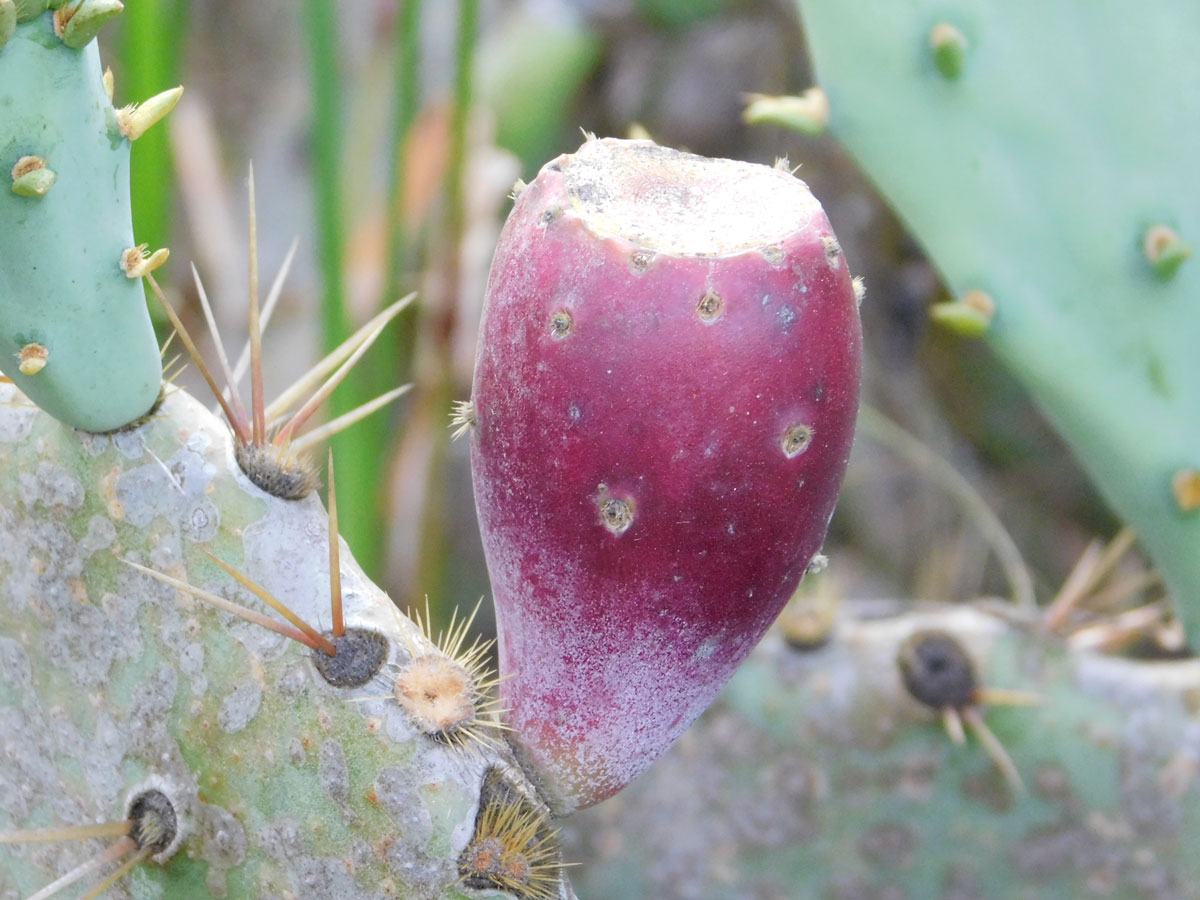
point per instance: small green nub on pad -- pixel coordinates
(1165, 251)
(31, 177)
(949, 47)
(808, 113)
(968, 316)
(78, 23)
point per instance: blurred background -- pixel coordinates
(386, 136)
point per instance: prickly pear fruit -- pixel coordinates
(663, 406)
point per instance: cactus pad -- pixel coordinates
(61, 243)
(114, 685)
(1040, 186)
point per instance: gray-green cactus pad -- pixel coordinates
(817, 776)
(1072, 128)
(109, 679)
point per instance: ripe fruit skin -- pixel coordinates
(665, 393)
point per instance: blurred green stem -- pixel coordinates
(153, 33)
(468, 17)
(399, 277)
(407, 87)
(320, 22)
(434, 550)
(359, 453)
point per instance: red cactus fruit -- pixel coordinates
(663, 406)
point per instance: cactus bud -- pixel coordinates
(32, 358)
(136, 119)
(136, 262)
(970, 315)
(808, 113)
(1164, 250)
(31, 177)
(77, 24)
(949, 48)
(1186, 488)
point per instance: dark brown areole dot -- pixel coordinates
(639, 260)
(276, 470)
(936, 670)
(155, 823)
(482, 859)
(560, 324)
(616, 514)
(833, 251)
(360, 655)
(796, 440)
(710, 306)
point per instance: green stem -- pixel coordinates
(153, 32)
(321, 29)
(358, 454)
(434, 555)
(468, 13)
(407, 87)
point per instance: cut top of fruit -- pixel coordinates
(673, 202)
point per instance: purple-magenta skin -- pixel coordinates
(654, 469)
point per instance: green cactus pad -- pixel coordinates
(1033, 176)
(61, 284)
(817, 774)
